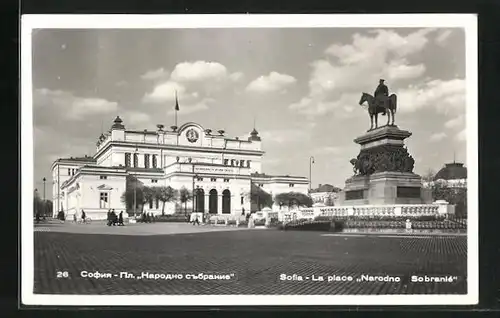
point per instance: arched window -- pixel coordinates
(212, 201)
(127, 159)
(226, 201)
(146, 160)
(199, 200)
(155, 161)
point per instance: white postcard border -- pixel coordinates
(125, 21)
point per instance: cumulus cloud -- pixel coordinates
(357, 66)
(70, 106)
(195, 106)
(273, 82)
(446, 96)
(282, 135)
(165, 92)
(236, 76)
(199, 71)
(136, 118)
(437, 137)
(155, 74)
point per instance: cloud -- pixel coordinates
(462, 135)
(70, 106)
(155, 74)
(344, 105)
(165, 92)
(121, 83)
(271, 83)
(236, 76)
(199, 71)
(444, 96)
(455, 122)
(437, 137)
(443, 36)
(352, 68)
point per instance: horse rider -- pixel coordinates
(381, 94)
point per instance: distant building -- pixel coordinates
(452, 175)
(219, 170)
(326, 194)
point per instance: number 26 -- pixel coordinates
(62, 274)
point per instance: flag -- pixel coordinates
(176, 102)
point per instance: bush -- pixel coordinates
(243, 223)
(308, 226)
(337, 225)
(171, 218)
(260, 222)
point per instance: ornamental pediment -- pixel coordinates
(104, 187)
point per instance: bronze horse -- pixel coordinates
(390, 106)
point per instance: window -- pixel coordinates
(213, 179)
(146, 161)
(261, 184)
(150, 203)
(226, 180)
(127, 159)
(200, 179)
(103, 200)
(155, 161)
(136, 160)
(226, 161)
(157, 203)
(291, 185)
(103, 177)
(242, 199)
(154, 180)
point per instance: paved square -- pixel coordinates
(257, 258)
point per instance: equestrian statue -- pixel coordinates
(382, 103)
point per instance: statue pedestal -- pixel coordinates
(385, 171)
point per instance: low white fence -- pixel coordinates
(410, 210)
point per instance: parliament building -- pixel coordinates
(219, 171)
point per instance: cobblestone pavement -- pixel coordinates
(257, 258)
(135, 229)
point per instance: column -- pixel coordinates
(206, 207)
(219, 203)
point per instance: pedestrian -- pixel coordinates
(109, 218)
(83, 216)
(243, 211)
(74, 218)
(37, 217)
(152, 217)
(120, 219)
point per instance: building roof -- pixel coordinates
(79, 159)
(452, 171)
(267, 176)
(325, 188)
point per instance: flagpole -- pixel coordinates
(176, 103)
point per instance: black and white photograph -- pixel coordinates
(188, 160)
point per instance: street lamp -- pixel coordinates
(135, 185)
(311, 161)
(43, 212)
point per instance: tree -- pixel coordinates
(40, 206)
(127, 197)
(184, 197)
(165, 194)
(428, 176)
(259, 197)
(291, 198)
(456, 196)
(148, 195)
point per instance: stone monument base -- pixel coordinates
(384, 171)
(384, 188)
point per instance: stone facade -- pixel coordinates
(218, 169)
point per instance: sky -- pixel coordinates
(301, 88)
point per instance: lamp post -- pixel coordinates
(135, 186)
(311, 161)
(43, 211)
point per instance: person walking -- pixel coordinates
(120, 219)
(83, 216)
(109, 217)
